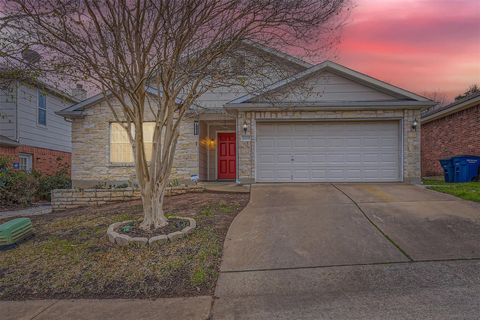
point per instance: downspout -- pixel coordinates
(17, 138)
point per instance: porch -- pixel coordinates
(217, 148)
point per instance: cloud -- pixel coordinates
(420, 45)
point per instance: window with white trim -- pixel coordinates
(42, 108)
(120, 147)
(25, 162)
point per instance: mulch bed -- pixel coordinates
(71, 257)
(133, 229)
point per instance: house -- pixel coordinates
(30, 132)
(309, 123)
(448, 131)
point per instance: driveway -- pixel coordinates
(304, 250)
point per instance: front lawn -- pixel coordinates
(70, 256)
(468, 191)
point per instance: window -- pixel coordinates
(42, 108)
(25, 162)
(120, 148)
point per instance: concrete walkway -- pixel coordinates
(351, 251)
(195, 308)
(225, 187)
(27, 212)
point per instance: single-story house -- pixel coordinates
(319, 123)
(448, 131)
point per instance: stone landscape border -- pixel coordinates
(122, 239)
(73, 198)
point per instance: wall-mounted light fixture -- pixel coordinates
(415, 124)
(195, 128)
(245, 127)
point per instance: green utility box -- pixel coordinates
(14, 231)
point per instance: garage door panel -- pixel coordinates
(328, 151)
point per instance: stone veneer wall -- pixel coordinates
(411, 138)
(91, 150)
(74, 198)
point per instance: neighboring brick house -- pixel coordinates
(316, 123)
(449, 131)
(31, 134)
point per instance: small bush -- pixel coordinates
(60, 180)
(17, 187)
(22, 188)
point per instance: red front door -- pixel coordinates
(226, 156)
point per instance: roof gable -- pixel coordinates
(76, 109)
(329, 81)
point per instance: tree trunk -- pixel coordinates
(152, 198)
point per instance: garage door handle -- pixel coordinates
(293, 159)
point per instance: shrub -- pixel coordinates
(17, 187)
(22, 188)
(60, 180)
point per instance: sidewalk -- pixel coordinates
(191, 308)
(32, 211)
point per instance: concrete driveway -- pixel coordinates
(304, 250)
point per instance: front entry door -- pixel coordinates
(226, 156)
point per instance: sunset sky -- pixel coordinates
(420, 45)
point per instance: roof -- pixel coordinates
(55, 91)
(453, 107)
(278, 53)
(76, 110)
(47, 87)
(343, 71)
(4, 141)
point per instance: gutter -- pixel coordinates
(333, 106)
(454, 109)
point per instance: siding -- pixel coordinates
(324, 86)
(56, 135)
(7, 112)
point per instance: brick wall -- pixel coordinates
(46, 161)
(72, 198)
(455, 134)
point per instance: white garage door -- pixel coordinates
(328, 151)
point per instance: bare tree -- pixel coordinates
(179, 47)
(473, 89)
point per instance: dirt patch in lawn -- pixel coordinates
(71, 257)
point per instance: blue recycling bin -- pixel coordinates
(448, 169)
(467, 168)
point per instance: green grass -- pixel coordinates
(70, 256)
(468, 190)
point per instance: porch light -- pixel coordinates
(195, 128)
(245, 127)
(415, 124)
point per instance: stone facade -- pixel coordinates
(455, 134)
(73, 198)
(411, 137)
(91, 150)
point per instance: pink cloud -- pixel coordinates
(423, 46)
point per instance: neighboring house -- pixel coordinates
(317, 123)
(449, 131)
(30, 132)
